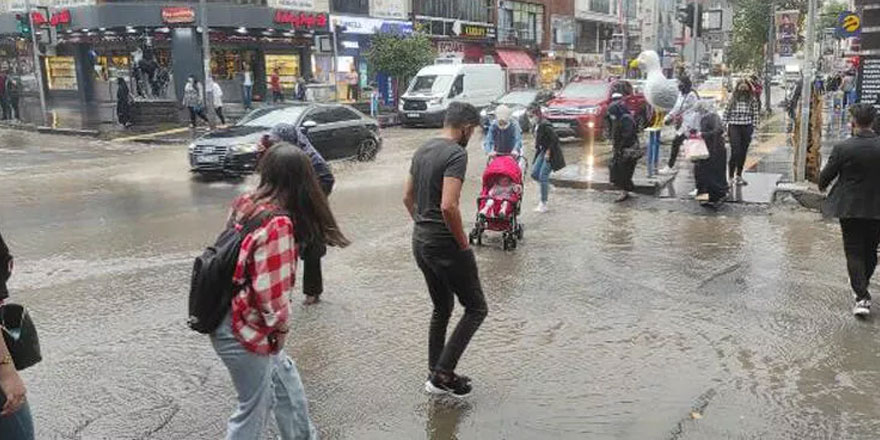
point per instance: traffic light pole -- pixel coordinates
(38, 67)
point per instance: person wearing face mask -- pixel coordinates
(194, 100)
(741, 116)
(504, 135)
(683, 110)
(440, 246)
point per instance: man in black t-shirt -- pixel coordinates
(440, 246)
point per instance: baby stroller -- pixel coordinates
(506, 222)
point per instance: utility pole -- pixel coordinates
(38, 68)
(206, 60)
(696, 39)
(335, 63)
(625, 26)
(771, 50)
(800, 169)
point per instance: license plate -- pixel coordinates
(208, 159)
(413, 115)
(561, 124)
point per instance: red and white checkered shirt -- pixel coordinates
(268, 259)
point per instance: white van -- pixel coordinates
(431, 91)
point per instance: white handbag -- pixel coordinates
(695, 149)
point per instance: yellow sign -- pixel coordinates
(473, 31)
(852, 23)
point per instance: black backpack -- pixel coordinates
(211, 288)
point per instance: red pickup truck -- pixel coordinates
(582, 102)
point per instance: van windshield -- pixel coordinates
(431, 84)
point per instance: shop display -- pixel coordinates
(287, 66)
(61, 73)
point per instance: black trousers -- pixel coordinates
(860, 239)
(740, 139)
(676, 147)
(313, 278)
(219, 111)
(450, 272)
(193, 112)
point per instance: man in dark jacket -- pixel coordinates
(313, 281)
(855, 200)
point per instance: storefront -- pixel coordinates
(354, 34)
(522, 72)
(96, 45)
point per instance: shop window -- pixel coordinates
(351, 6)
(287, 66)
(470, 10)
(114, 66)
(61, 73)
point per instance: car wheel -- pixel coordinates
(367, 149)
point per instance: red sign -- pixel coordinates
(37, 18)
(301, 20)
(62, 17)
(178, 14)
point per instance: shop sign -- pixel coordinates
(71, 3)
(178, 15)
(474, 31)
(388, 8)
(367, 26)
(457, 28)
(301, 20)
(60, 17)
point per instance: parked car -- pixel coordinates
(586, 102)
(337, 132)
(519, 102)
(435, 86)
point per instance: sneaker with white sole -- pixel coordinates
(693, 193)
(455, 387)
(666, 170)
(542, 207)
(862, 308)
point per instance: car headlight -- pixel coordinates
(191, 147)
(588, 110)
(435, 101)
(483, 113)
(244, 148)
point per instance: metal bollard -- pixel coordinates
(653, 146)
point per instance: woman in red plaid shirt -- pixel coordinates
(250, 341)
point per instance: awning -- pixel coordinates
(516, 60)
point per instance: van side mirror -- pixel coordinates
(307, 125)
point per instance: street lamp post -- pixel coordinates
(38, 68)
(206, 60)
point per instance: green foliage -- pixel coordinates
(751, 23)
(400, 56)
(830, 12)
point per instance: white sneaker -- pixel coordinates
(862, 308)
(693, 193)
(542, 207)
(666, 170)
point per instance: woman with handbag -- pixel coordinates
(625, 147)
(548, 156)
(194, 100)
(15, 415)
(251, 339)
(710, 174)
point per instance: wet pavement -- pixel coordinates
(653, 319)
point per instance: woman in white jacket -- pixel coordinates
(217, 93)
(690, 121)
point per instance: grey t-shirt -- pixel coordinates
(436, 159)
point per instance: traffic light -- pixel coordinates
(686, 17)
(24, 25)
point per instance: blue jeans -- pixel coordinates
(247, 95)
(18, 425)
(264, 384)
(541, 173)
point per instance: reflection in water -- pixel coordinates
(444, 416)
(619, 228)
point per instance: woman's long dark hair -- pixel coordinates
(743, 95)
(287, 178)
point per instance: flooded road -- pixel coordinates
(648, 320)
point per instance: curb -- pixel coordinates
(68, 131)
(804, 195)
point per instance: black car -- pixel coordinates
(519, 102)
(337, 132)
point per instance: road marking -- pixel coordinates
(151, 135)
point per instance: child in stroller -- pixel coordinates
(499, 202)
